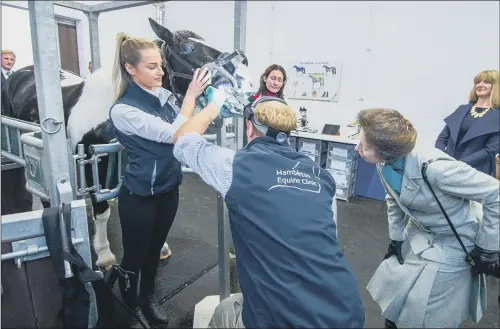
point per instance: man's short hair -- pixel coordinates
(276, 115)
(8, 52)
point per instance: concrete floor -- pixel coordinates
(363, 235)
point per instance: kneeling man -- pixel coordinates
(290, 266)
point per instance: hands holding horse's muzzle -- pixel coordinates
(395, 250)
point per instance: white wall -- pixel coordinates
(212, 20)
(417, 57)
(133, 21)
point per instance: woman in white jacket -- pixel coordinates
(424, 280)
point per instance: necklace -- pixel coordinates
(477, 114)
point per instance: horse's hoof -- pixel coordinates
(105, 260)
(165, 253)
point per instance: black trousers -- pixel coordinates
(145, 222)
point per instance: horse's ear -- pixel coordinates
(161, 31)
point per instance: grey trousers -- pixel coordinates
(228, 313)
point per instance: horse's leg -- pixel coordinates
(101, 212)
(105, 258)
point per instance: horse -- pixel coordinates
(317, 79)
(330, 69)
(299, 69)
(86, 105)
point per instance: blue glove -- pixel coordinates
(219, 98)
(215, 96)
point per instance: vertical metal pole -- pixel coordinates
(95, 54)
(240, 31)
(223, 224)
(44, 36)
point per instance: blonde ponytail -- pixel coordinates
(120, 75)
(128, 50)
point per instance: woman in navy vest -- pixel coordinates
(144, 118)
(424, 280)
(291, 269)
(472, 132)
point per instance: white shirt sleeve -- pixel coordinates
(132, 121)
(214, 164)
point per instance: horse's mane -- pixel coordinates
(179, 36)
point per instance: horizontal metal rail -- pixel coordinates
(14, 158)
(20, 124)
(117, 147)
(39, 194)
(107, 194)
(105, 148)
(11, 165)
(31, 140)
(34, 251)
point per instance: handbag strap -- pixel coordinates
(425, 165)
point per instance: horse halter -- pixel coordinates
(249, 114)
(216, 67)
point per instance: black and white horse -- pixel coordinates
(86, 105)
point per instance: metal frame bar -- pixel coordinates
(240, 41)
(117, 5)
(46, 62)
(43, 26)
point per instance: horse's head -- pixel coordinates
(185, 51)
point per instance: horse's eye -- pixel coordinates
(187, 48)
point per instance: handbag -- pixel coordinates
(468, 257)
(477, 297)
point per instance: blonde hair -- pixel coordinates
(488, 76)
(390, 134)
(8, 52)
(276, 115)
(128, 50)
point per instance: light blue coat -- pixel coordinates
(435, 287)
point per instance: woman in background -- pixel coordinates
(424, 280)
(472, 132)
(272, 82)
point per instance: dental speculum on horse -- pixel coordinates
(238, 85)
(86, 104)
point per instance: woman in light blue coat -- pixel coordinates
(424, 280)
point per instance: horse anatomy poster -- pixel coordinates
(315, 81)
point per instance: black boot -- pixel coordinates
(153, 311)
(389, 324)
(128, 289)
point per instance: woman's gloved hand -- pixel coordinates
(395, 250)
(486, 261)
(216, 97)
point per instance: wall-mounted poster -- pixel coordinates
(316, 81)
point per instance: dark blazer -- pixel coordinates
(480, 144)
(4, 95)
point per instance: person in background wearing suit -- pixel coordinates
(424, 280)
(472, 132)
(8, 62)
